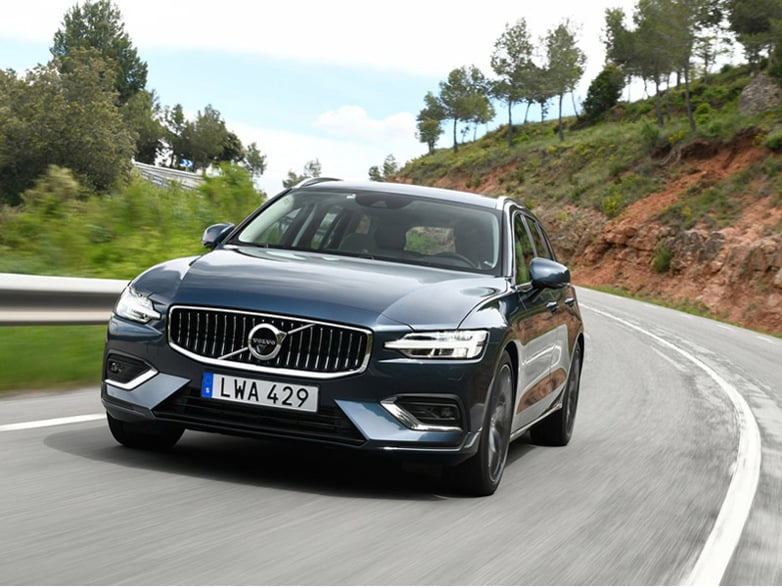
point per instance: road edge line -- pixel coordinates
(50, 422)
(718, 550)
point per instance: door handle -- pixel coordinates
(553, 307)
(570, 301)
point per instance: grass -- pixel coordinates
(40, 357)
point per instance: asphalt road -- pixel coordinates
(635, 499)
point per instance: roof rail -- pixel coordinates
(314, 180)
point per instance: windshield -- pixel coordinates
(385, 226)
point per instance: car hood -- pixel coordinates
(326, 287)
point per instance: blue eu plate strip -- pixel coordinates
(206, 384)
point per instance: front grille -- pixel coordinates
(189, 408)
(309, 349)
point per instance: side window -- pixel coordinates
(541, 246)
(523, 251)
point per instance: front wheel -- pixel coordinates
(145, 435)
(481, 474)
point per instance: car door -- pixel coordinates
(560, 303)
(534, 325)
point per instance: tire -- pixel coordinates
(481, 474)
(557, 429)
(145, 435)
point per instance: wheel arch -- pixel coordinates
(513, 353)
(582, 343)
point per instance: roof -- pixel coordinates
(328, 184)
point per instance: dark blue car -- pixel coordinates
(427, 323)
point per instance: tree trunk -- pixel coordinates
(657, 102)
(526, 112)
(687, 100)
(559, 126)
(510, 124)
(455, 142)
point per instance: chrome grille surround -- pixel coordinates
(315, 349)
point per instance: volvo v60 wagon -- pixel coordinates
(432, 324)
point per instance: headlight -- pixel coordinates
(451, 344)
(134, 306)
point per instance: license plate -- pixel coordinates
(270, 394)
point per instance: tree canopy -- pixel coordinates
(428, 121)
(756, 25)
(464, 98)
(66, 118)
(565, 63)
(512, 61)
(88, 111)
(98, 25)
(390, 169)
(311, 169)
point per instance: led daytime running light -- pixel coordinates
(454, 344)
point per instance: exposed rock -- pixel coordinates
(778, 279)
(619, 236)
(759, 95)
(712, 247)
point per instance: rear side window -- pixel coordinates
(541, 245)
(523, 251)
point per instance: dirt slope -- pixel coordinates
(735, 273)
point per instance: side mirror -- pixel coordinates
(545, 273)
(215, 234)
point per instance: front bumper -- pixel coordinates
(350, 411)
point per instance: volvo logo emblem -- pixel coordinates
(265, 341)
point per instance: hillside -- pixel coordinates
(692, 220)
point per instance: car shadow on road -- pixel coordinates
(275, 464)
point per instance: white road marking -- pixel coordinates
(729, 525)
(52, 422)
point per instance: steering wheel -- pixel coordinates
(459, 257)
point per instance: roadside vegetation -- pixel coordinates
(61, 230)
(57, 357)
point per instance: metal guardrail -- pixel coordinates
(41, 300)
(162, 175)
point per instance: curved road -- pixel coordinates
(639, 496)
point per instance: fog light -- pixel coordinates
(426, 413)
(126, 372)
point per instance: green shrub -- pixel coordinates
(662, 258)
(650, 135)
(703, 114)
(773, 142)
(603, 92)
